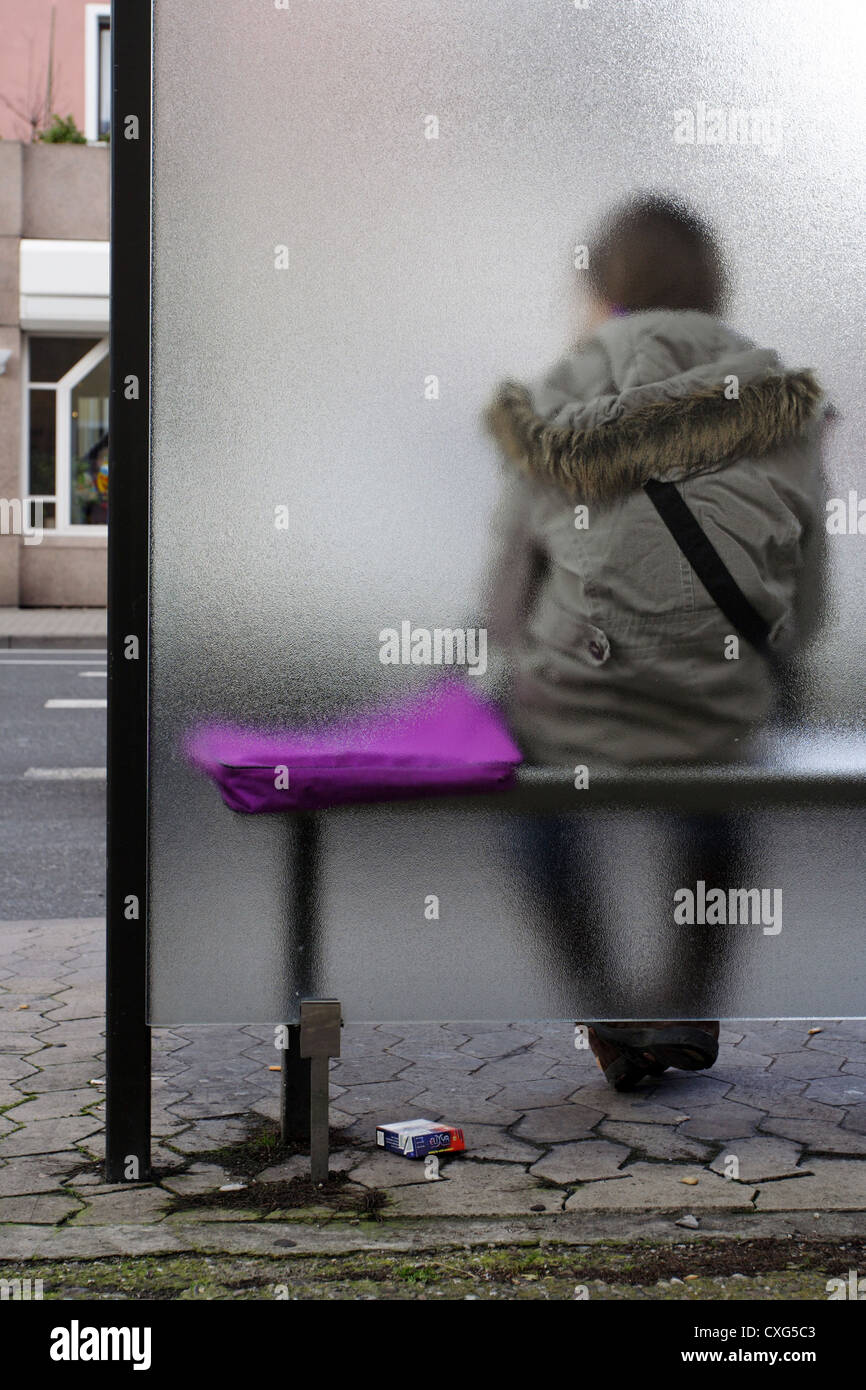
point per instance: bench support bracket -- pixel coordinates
(304, 1078)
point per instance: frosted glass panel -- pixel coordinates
(317, 260)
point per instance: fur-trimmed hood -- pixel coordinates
(658, 394)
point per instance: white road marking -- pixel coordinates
(75, 704)
(93, 673)
(66, 774)
(34, 661)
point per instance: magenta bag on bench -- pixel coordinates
(443, 739)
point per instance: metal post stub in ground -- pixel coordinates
(321, 1020)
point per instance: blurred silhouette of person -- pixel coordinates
(95, 507)
(663, 467)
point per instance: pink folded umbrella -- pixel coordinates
(444, 739)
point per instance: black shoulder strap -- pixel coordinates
(708, 564)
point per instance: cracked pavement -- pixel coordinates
(772, 1139)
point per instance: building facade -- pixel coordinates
(54, 286)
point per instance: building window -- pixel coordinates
(67, 432)
(97, 71)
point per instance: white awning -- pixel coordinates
(64, 285)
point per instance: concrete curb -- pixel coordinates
(287, 1239)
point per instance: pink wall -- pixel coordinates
(24, 34)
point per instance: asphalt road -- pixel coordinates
(52, 784)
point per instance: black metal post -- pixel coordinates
(127, 1155)
(303, 857)
(295, 1084)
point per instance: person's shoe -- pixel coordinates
(654, 1046)
(621, 1070)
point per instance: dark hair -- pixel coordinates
(654, 252)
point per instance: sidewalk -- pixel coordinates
(770, 1144)
(53, 627)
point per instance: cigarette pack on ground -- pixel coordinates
(417, 1138)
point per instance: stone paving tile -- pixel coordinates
(203, 1069)
(446, 1106)
(165, 1122)
(637, 1107)
(818, 1137)
(758, 1159)
(557, 1123)
(87, 1008)
(298, 1166)
(9, 1093)
(51, 1105)
(136, 1205)
(270, 1109)
(498, 1044)
(387, 1171)
(65, 1054)
(469, 1188)
(422, 1077)
(660, 1187)
(17, 1042)
(533, 1095)
(375, 1068)
(585, 1161)
(15, 1067)
(42, 1173)
(464, 1092)
(736, 1057)
(165, 1040)
(689, 1091)
(656, 1141)
(226, 1216)
(351, 1129)
(362, 1039)
(797, 1108)
(559, 1049)
(775, 1037)
(43, 1209)
(209, 1107)
(210, 1134)
(523, 1066)
(47, 1136)
(85, 975)
(473, 1026)
(761, 1085)
(856, 1119)
(164, 1114)
(493, 1141)
(202, 1177)
(22, 1021)
(807, 1065)
(34, 991)
(725, 1120)
(73, 1031)
(87, 1183)
(163, 1159)
(378, 1098)
(426, 1050)
(836, 1042)
(70, 1076)
(167, 1089)
(837, 1090)
(834, 1185)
